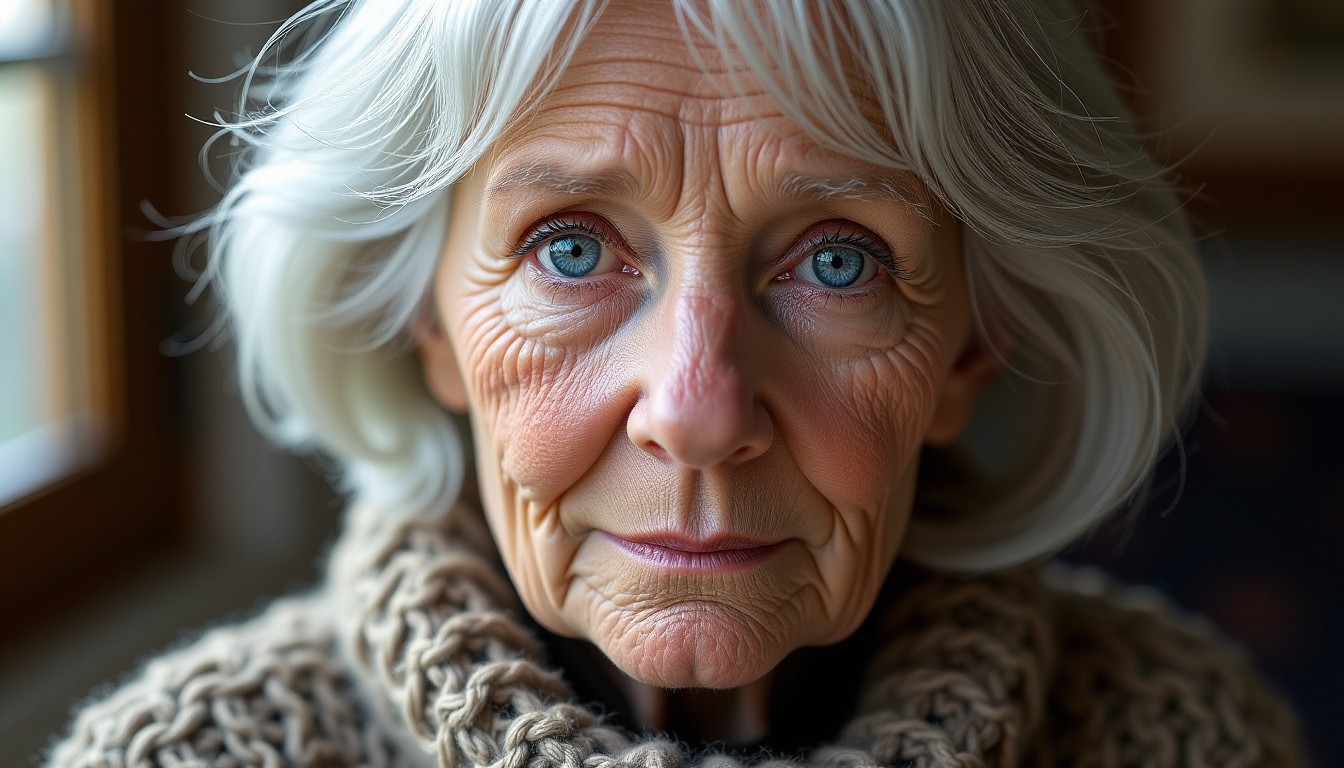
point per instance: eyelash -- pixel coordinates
(838, 234)
(560, 226)
(855, 238)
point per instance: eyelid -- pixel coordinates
(566, 223)
(849, 234)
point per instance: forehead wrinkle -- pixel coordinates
(656, 100)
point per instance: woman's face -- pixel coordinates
(700, 354)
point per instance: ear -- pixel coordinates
(443, 375)
(971, 375)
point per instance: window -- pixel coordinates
(85, 481)
(46, 365)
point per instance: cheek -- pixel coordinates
(546, 397)
(862, 424)
(545, 394)
(857, 441)
(859, 401)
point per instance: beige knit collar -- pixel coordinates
(429, 623)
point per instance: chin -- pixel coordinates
(696, 644)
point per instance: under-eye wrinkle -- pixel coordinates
(558, 287)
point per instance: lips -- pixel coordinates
(724, 552)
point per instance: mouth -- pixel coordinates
(673, 552)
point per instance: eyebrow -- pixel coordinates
(901, 188)
(618, 184)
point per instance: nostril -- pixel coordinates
(743, 455)
(756, 437)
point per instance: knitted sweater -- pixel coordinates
(413, 654)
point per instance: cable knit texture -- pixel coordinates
(412, 654)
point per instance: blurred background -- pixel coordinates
(138, 506)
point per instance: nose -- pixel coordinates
(700, 406)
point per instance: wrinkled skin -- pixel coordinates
(699, 381)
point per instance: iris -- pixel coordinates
(837, 267)
(574, 255)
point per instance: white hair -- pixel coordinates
(1077, 255)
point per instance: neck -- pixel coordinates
(734, 716)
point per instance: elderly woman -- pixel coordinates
(719, 286)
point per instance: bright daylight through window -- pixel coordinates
(44, 348)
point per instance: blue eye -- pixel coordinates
(571, 255)
(836, 266)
